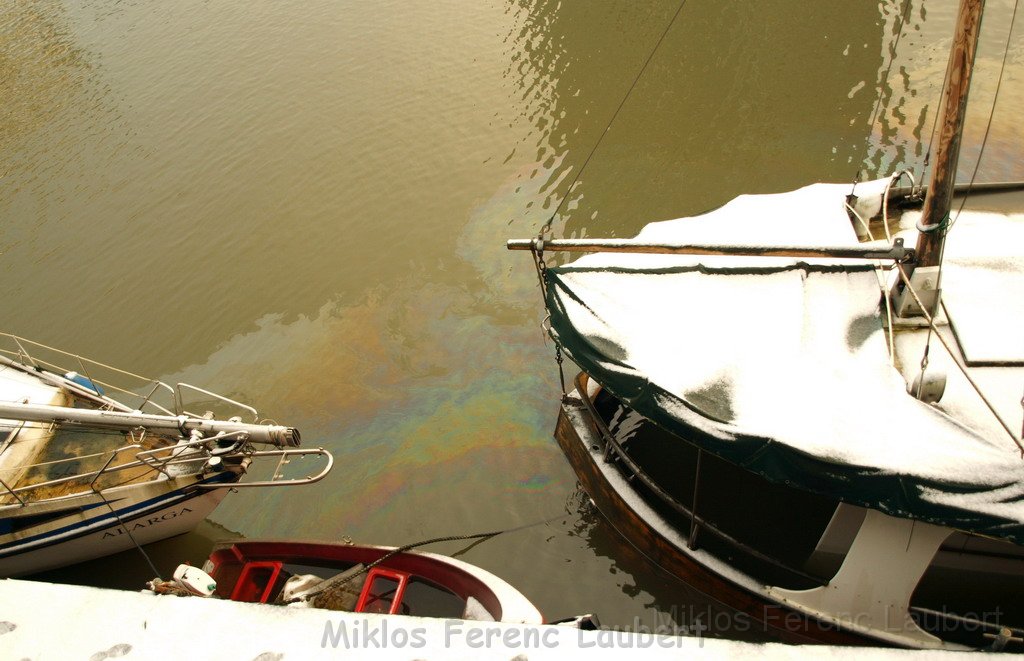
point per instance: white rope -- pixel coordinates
(893, 180)
(867, 230)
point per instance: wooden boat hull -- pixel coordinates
(652, 536)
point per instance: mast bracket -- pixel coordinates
(924, 280)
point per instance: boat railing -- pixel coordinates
(285, 455)
(613, 451)
(161, 460)
(49, 363)
(186, 386)
(93, 380)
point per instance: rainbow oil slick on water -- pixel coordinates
(305, 204)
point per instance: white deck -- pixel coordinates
(47, 621)
(983, 290)
(30, 440)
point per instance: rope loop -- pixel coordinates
(934, 227)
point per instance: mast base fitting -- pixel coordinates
(924, 280)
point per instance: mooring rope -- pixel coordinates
(408, 547)
(121, 524)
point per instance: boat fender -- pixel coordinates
(195, 580)
(928, 386)
(297, 586)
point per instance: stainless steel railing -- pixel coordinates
(139, 393)
(159, 460)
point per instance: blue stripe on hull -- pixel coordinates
(125, 514)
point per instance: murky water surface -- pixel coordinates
(304, 205)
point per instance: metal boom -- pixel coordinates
(896, 252)
(273, 434)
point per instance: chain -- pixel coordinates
(542, 268)
(538, 261)
(561, 373)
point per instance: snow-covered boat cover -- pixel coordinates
(780, 365)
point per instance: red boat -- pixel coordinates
(365, 579)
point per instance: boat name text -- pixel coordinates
(151, 521)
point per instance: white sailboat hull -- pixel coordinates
(84, 475)
(139, 520)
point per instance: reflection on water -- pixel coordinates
(658, 603)
(718, 111)
(916, 53)
(304, 205)
(129, 570)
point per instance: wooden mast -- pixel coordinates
(951, 114)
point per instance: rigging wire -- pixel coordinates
(881, 86)
(538, 249)
(860, 219)
(949, 350)
(991, 115)
(547, 225)
(880, 272)
(935, 126)
(882, 285)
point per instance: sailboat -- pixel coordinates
(95, 460)
(818, 427)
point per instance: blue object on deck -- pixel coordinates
(83, 381)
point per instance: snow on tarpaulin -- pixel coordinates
(780, 365)
(983, 285)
